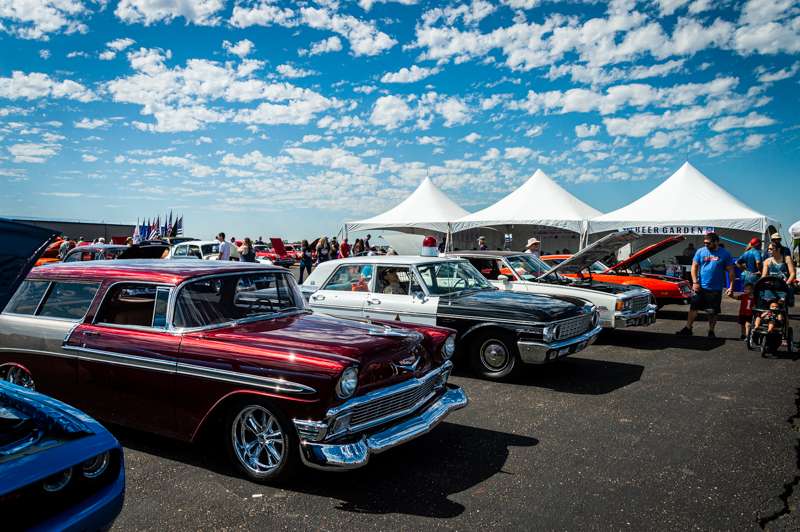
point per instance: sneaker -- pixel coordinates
(711, 334)
(743, 337)
(686, 331)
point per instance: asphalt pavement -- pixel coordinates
(644, 430)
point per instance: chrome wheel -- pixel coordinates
(17, 375)
(258, 440)
(494, 355)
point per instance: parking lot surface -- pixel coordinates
(644, 430)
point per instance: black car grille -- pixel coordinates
(639, 303)
(394, 405)
(574, 326)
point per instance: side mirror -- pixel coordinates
(503, 279)
(419, 297)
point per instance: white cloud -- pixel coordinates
(751, 120)
(114, 47)
(409, 75)
(454, 111)
(44, 54)
(36, 19)
(663, 139)
(754, 141)
(668, 7)
(472, 138)
(331, 44)
(586, 130)
(200, 12)
(91, 123)
(390, 112)
(534, 131)
(290, 71)
(779, 75)
(425, 140)
(38, 85)
(366, 5)
(242, 48)
(88, 158)
(519, 153)
(521, 4)
(32, 152)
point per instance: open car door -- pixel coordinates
(23, 244)
(597, 251)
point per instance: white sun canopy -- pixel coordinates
(686, 201)
(794, 230)
(426, 208)
(539, 201)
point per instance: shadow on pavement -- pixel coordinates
(575, 375)
(656, 341)
(417, 478)
(680, 315)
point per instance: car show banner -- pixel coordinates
(670, 230)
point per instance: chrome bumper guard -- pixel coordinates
(630, 318)
(333, 456)
(540, 352)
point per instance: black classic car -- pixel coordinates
(498, 330)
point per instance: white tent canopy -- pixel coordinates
(426, 208)
(539, 201)
(686, 198)
(794, 230)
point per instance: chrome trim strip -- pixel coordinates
(189, 370)
(487, 319)
(279, 385)
(35, 352)
(403, 312)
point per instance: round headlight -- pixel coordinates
(449, 347)
(347, 383)
(57, 482)
(94, 467)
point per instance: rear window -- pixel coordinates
(27, 298)
(68, 300)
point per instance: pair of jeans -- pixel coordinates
(304, 266)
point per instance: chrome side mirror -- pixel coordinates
(419, 297)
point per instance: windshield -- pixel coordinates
(533, 268)
(223, 299)
(598, 267)
(210, 249)
(442, 278)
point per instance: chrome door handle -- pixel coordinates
(374, 301)
(318, 297)
(91, 333)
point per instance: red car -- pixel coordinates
(182, 348)
(277, 253)
(665, 289)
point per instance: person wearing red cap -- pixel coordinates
(750, 261)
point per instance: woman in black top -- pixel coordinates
(306, 260)
(247, 253)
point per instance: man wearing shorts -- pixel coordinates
(708, 280)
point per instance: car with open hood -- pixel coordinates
(619, 306)
(590, 265)
(276, 253)
(59, 469)
(229, 349)
(498, 331)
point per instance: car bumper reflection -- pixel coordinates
(351, 455)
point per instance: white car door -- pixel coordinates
(345, 293)
(397, 295)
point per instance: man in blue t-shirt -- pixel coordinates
(708, 280)
(750, 262)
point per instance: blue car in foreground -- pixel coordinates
(59, 468)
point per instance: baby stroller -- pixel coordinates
(770, 295)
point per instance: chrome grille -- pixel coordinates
(574, 326)
(387, 406)
(639, 303)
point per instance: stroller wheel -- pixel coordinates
(749, 341)
(764, 348)
(790, 340)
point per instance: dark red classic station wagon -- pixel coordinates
(174, 347)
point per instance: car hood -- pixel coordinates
(598, 286)
(488, 305)
(323, 344)
(22, 245)
(600, 250)
(647, 252)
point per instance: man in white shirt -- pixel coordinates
(533, 247)
(224, 248)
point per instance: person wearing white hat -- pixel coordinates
(533, 247)
(775, 238)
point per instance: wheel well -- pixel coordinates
(485, 329)
(216, 413)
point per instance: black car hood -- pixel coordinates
(23, 244)
(608, 288)
(491, 305)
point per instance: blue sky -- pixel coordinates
(286, 119)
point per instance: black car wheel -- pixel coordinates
(493, 355)
(260, 441)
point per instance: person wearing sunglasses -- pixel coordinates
(708, 281)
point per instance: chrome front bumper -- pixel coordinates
(630, 318)
(540, 352)
(333, 456)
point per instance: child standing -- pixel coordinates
(745, 309)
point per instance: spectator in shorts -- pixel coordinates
(745, 309)
(708, 280)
